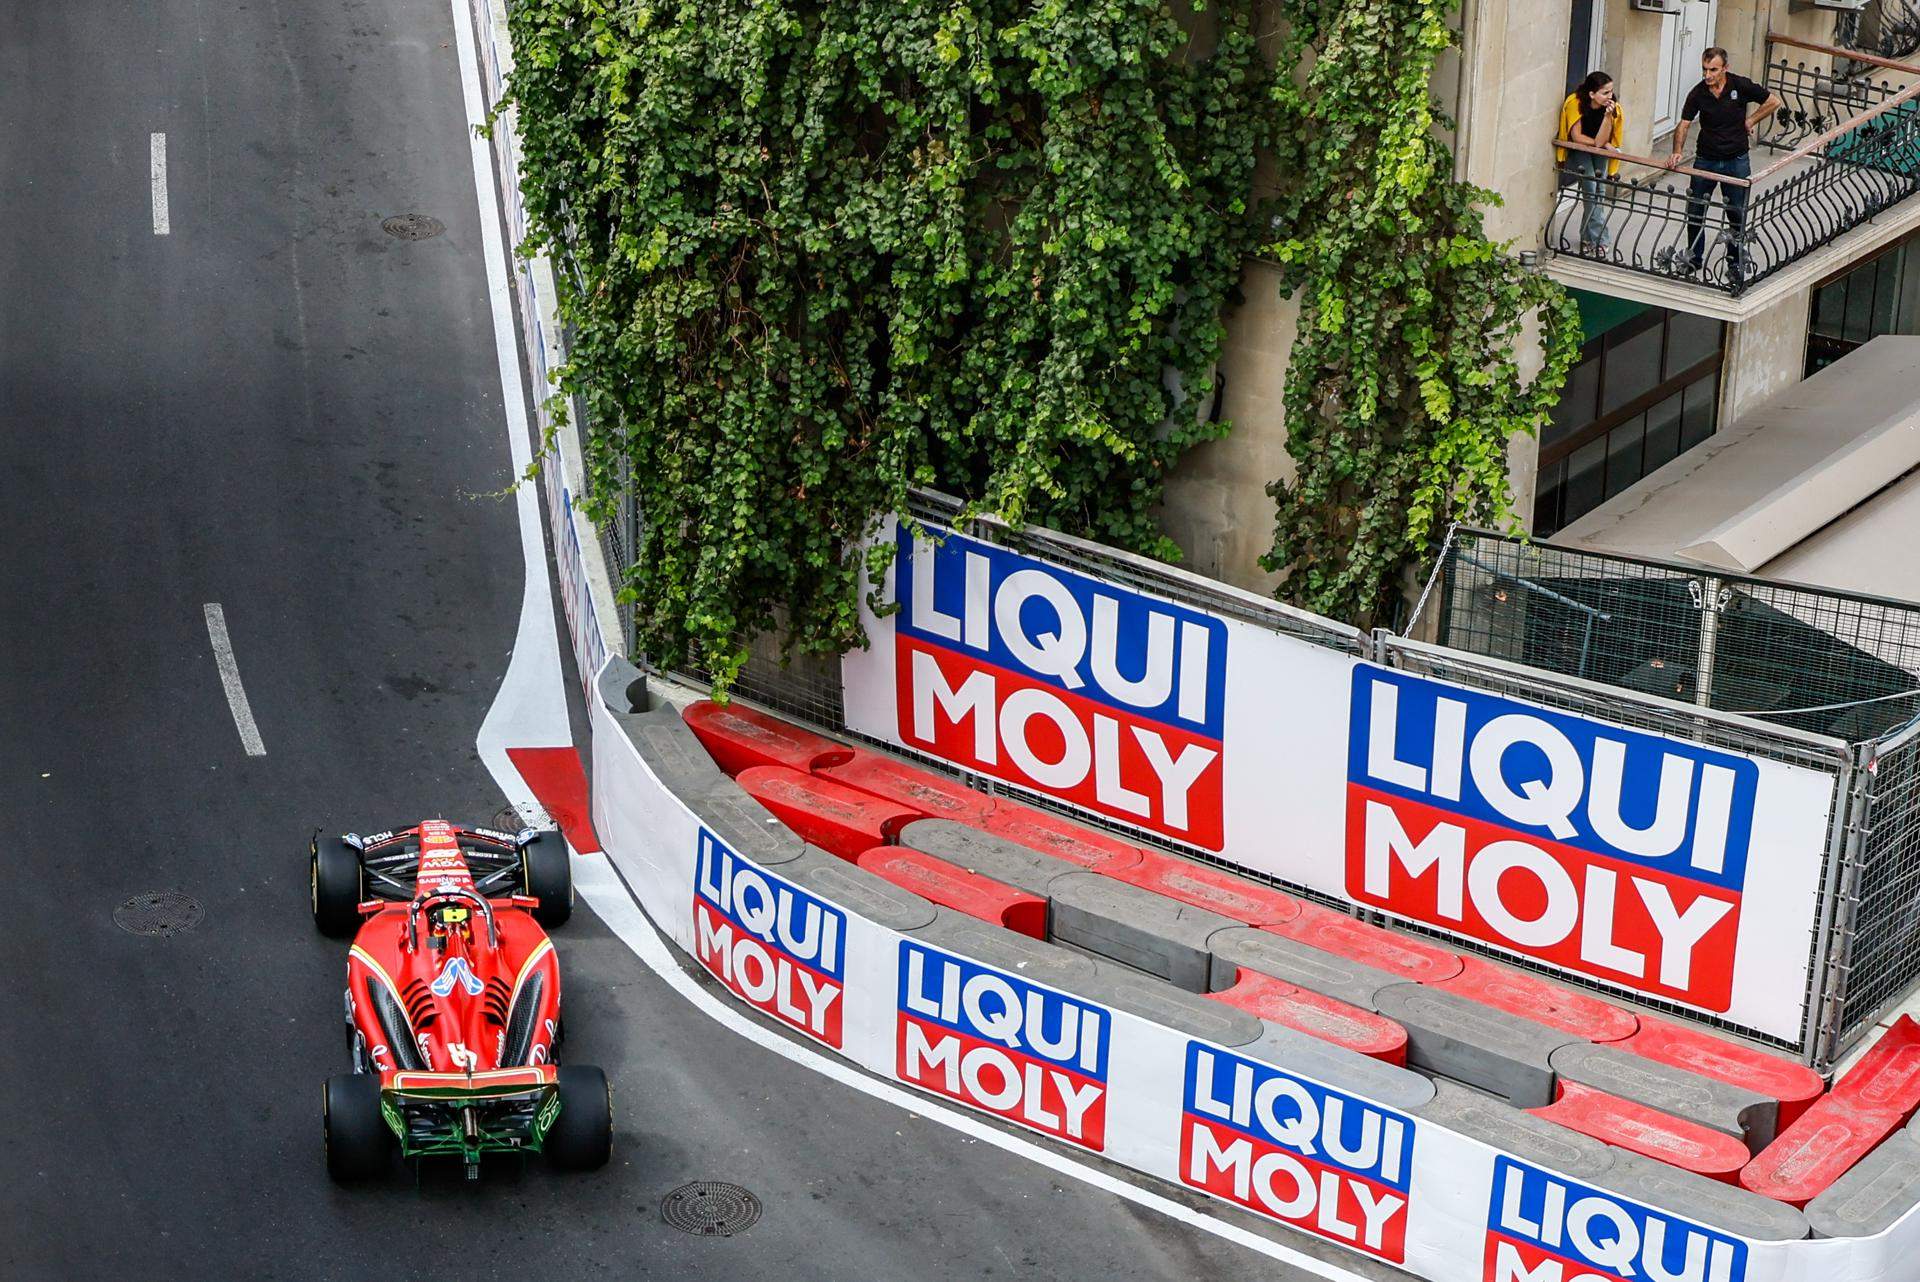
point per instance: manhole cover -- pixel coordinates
(165, 912)
(412, 226)
(710, 1208)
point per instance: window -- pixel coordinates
(1879, 296)
(1645, 391)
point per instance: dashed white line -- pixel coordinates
(230, 678)
(157, 169)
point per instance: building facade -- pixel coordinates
(1823, 260)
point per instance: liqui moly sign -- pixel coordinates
(1600, 849)
(777, 947)
(1302, 1153)
(1063, 684)
(1545, 1228)
(1002, 1045)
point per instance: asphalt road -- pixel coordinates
(280, 408)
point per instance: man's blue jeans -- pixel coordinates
(1700, 193)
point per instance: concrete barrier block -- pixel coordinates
(935, 796)
(747, 827)
(1049, 834)
(1326, 1018)
(1161, 936)
(738, 738)
(860, 892)
(1479, 1045)
(1162, 1003)
(1636, 1128)
(1511, 1130)
(1695, 1197)
(1873, 1195)
(1342, 1069)
(986, 853)
(971, 893)
(1748, 1116)
(991, 945)
(1794, 1085)
(671, 752)
(1303, 965)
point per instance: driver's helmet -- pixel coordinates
(451, 919)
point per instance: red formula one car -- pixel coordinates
(453, 1001)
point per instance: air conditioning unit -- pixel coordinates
(1657, 6)
(1844, 6)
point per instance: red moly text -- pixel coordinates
(1003, 1045)
(1062, 684)
(1603, 850)
(1297, 1151)
(776, 946)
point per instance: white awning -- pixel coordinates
(1802, 488)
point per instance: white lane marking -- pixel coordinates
(600, 883)
(157, 170)
(230, 678)
(530, 711)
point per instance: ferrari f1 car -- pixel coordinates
(453, 1001)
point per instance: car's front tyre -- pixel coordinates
(548, 877)
(359, 1145)
(338, 887)
(581, 1137)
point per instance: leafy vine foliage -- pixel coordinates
(821, 251)
(817, 253)
(1403, 388)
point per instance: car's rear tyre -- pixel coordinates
(548, 877)
(581, 1138)
(359, 1145)
(338, 887)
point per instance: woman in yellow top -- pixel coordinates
(1592, 116)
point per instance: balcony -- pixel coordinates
(1833, 171)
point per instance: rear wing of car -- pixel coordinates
(497, 1083)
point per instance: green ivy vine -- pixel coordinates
(828, 250)
(815, 253)
(1404, 386)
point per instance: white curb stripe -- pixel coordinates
(230, 679)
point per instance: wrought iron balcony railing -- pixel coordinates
(1840, 150)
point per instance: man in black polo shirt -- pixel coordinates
(1729, 108)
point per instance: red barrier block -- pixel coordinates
(1541, 1001)
(826, 814)
(1208, 888)
(1887, 1077)
(1874, 1099)
(954, 887)
(1061, 838)
(1795, 1085)
(1646, 1131)
(740, 738)
(1356, 940)
(1326, 1018)
(934, 796)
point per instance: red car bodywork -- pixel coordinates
(461, 993)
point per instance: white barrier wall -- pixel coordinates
(1602, 850)
(1229, 1122)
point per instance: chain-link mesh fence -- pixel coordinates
(1833, 663)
